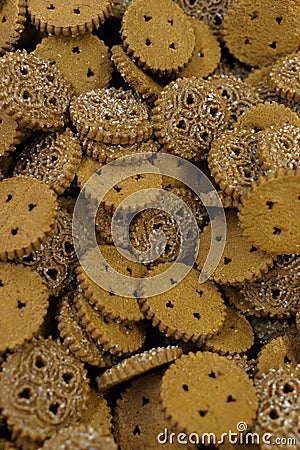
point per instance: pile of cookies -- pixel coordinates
(83, 84)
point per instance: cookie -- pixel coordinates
(279, 148)
(52, 158)
(276, 228)
(188, 114)
(10, 133)
(258, 33)
(117, 338)
(13, 18)
(207, 393)
(249, 263)
(277, 353)
(79, 437)
(207, 52)
(138, 418)
(83, 60)
(55, 261)
(201, 314)
(28, 216)
(43, 388)
(162, 54)
(263, 116)
(276, 294)
(284, 77)
(234, 162)
(24, 303)
(98, 414)
(77, 339)
(96, 115)
(68, 18)
(235, 335)
(278, 411)
(136, 365)
(33, 92)
(119, 8)
(137, 78)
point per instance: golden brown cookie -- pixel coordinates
(188, 114)
(112, 116)
(10, 133)
(207, 52)
(43, 388)
(137, 365)
(234, 336)
(24, 303)
(276, 353)
(83, 60)
(86, 169)
(279, 147)
(207, 393)
(265, 115)
(276, 294)
(27, 216)
(77, 339)
(33, 92)
(189, 311)
(284, 77)
(68, 18)
(235, 266)
(257, 33)
(138, 420)
(278, 393)
(55, 261)
(79, 437)
(98, 413)
(277, 227)
(53, 158)
(160, 53)
(13, 18)
(233, 160)
(117, 338)
(119, 7)
(136, 77)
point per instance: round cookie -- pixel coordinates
(277, 228)
(235, 335)
(24, 303)
(119, 7)
(138, 418)
(42, 389)
(27, 216)
(265, 115)
(98, 414)
(207, 52)
(234, 267)
(33, 92)
(162, 54)
(136, 365)
(53, 158)
(200, 315)
(136, 77)
(80, 437)
(257, 33)
(13, 18)
(277, 353)
(10, 133)
(68, 17)
(117, 338)
(188, 114)
(285, 79)
(207, 393)
(83, 60)
(112, 116)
